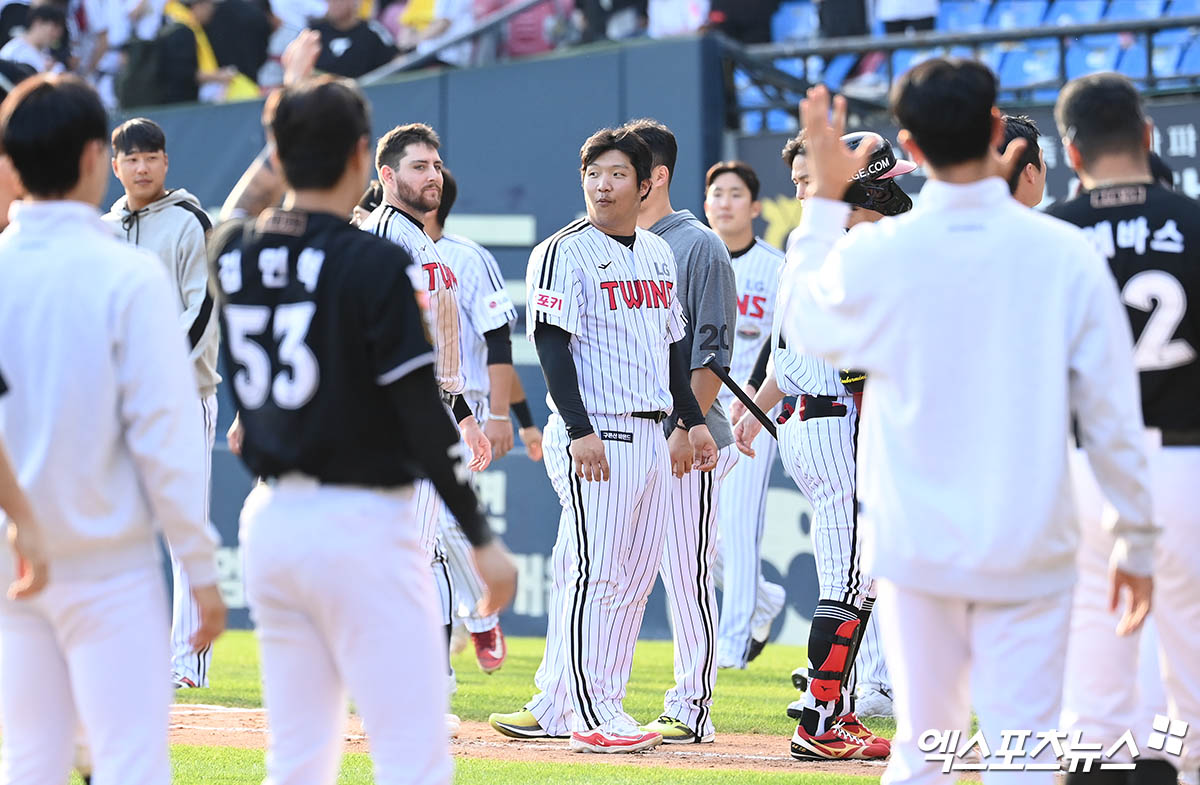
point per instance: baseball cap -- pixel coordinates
(873, 187)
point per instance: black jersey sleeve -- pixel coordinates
(759, 374)
(3, 386)
(397, 341)
(686, 406)
(553, 346)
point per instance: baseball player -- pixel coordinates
(609, 335)
(1028, 181)
(818, 444)
(706, 290)
(974, 579)
(335, 384)
(1150, 237)
(108, 361)
(410, 173)
(750, 603)
(172, 226)
(486, 346)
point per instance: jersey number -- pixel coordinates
(293, 386)
(714, 339)
(1163, 297)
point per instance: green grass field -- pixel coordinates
(750, 701)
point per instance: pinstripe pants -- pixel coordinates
(691, 546)
(609, 546)
(185, 616)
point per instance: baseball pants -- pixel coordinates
(343, 605)
(185, 616)
(1101, 695)
(90, 653)
(467, 585)
(737, 567)
(687, 556)
(950, 654)
(605, 560)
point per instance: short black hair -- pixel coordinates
(1101, 114)
(47, 13)
(315, 126)
(1022, 127)
(139, 135)
(946, 104)
(372, 197)
(449, 196)
(45, 124)
(392, 145)
(664, 149)
(740, 168)
(1161, 171)
(794, 147)
(622, 140)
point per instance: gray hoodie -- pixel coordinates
(707, 289)
(175, 228)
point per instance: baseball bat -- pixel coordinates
(711, 364)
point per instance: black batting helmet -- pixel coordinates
(873, 186)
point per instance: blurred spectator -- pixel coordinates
(46, 26)
(349, 46)
(840, 18)
(10, 74)
(239, 33)
(615, 19)
(12, 19)
(748, 21)
(190, 70)
(450, 18)
(414, 19)
(666, 18)
(537, 30)
(900, 16)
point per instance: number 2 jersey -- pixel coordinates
(318, 318)
(1151, 239)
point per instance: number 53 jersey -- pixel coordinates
(318, 319)
(1151, 238)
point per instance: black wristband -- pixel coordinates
(461, 410)
(520, 410)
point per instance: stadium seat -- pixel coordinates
(795, 19)
(1091, 54)
(1075, 12)
(904, 59)
(1183, 8)
(1033, 62)
(1173, 35)
(1122, 10)
(779, 120)
(1012, 14)
(956, 16)
(791, 65)
(1189, 64)
(837, 69)
(1166, 61)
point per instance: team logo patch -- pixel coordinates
(750, 332)
(547, 302)
(498, 303)
(616, 436)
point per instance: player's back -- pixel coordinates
(1151, 239)
(313, 315)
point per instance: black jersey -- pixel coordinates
(318, 318)
(1151, 239)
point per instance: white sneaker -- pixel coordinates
(453, 724)
(873, 702)
(618, 735)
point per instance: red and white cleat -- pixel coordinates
(490, 649)
(835, 744)
(616, 736)
(855, 728)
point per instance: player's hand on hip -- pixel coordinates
(683, 454)
(235, 435)
(705, 446)
(532, 436)
(738, 409)
(500, 434)
(481, 448)
(745, 432)
(1137, 590)
(831, 164)
(499, 574)
(212, 615)
(591, 463)
(25, 539)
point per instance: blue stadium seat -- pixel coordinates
(904, 59)
(956, 16)
(1091, 54)
(1122, 10)
(1166, 60)
(1189, 64)
(1075, 12)
(836, 70)
(752, 122)
(1173, 35)
(1011, 14)
(791, 65)
(779, 120)
(751, 96)
(795, 19)
(1183, 8)
(1031, 63)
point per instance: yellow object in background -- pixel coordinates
(418, 14)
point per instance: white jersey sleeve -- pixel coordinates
(555, 291)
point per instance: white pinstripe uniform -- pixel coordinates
(819, 455)
(429, 273)
(484, 305)
(623, 319)
(749, 601)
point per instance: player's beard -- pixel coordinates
(419, 202)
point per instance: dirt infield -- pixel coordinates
(216, 726)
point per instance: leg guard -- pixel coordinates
(825, 683)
